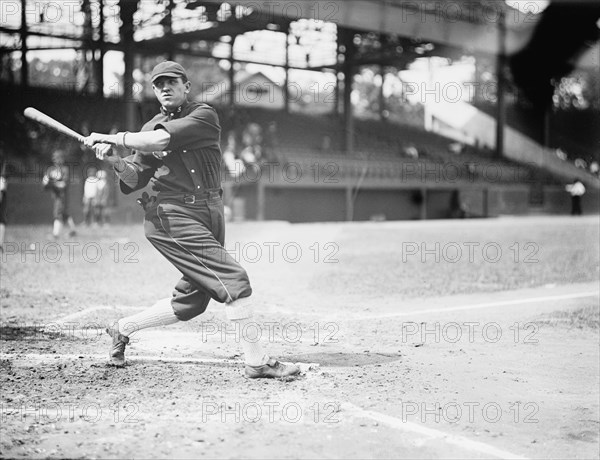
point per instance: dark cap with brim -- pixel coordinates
(168, 69)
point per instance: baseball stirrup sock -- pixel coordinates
(240, 313)
(159, 314)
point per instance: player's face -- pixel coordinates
(170, 91)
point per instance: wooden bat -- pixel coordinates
(36, 115)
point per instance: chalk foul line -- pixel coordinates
(429, 433)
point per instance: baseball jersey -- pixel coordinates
(191, 162)
(89, 188)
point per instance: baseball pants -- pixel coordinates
(192, 236)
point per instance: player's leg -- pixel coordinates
(159, 314)
(71, 223)
(87, 211)
(100, 214)
(239, 310)
(58, 213)
(182, 235)
(67, 219)
(186, 298)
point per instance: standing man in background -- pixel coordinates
(89, 196)
(3, 203)
(56, 180)
(179, 151)
(101, 200)
(577, 190)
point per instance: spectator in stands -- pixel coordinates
(89, 196)
(271, 142)
(577, 190)
(326, 144)
(456, 147)
(56, 180)
(594, 167)
(3, 203)
(252, 140)
(561, 154)
(411, 151)
(101, 200)
(579, 163)
(233, 166)
(234, 169)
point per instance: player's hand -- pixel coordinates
(96, 138)
(104, 152)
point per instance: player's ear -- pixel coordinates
(188, 85)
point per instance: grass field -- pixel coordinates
(440, 339)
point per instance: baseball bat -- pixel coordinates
(40, 117)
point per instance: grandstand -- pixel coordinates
(317, 167)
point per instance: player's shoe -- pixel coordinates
(119, 341)
(272, 370)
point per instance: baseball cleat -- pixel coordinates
(119, 341)
(272, 370)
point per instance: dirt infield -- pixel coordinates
(435, 339)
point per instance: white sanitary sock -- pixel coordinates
(240, 313)
(159, 314)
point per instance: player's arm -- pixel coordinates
(134, 171)
(144, 141)
(198, 129)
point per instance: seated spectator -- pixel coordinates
(561, 154)
(252, 140)
(456, 147)
(410, 151)
(326, 144)
(234, 167)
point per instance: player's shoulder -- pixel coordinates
(197, 106)
(150, 124)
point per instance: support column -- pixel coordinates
(260, 200)
(24, 66)
(500, 71)
(338, 69)
(546, 125)
(168, 29)
(348, 67)
(349, 204)
(286, 90)
(232, 75)
(485, 202)
(128, 9)
(99, 63)
(424, 203)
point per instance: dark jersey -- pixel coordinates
(191, 163)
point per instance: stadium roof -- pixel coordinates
(467, 25)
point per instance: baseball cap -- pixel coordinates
(168, 69)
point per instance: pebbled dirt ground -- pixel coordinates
(437, 339)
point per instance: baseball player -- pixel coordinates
(89, 196)
(178, 151)
(101, 199)
(57, 181)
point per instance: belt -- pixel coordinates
(191, 198)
